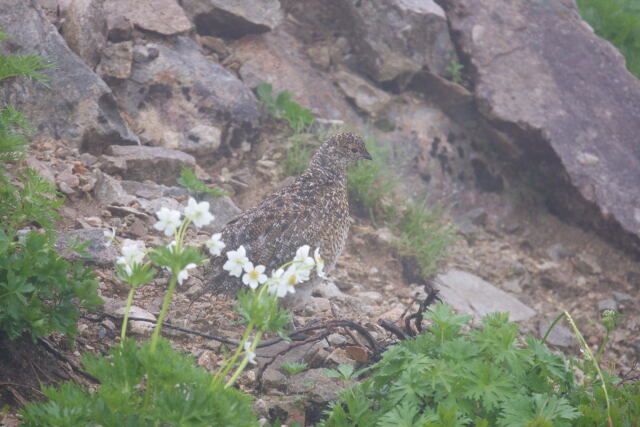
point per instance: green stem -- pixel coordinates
(127, 308)
(163, 311)
(228, 365)
(551, 326)
(244, 362)
(603, 344)
(587, 350)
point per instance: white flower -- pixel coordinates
(198, 213)
(319, 263)
(169, 221)
(214, 244)
(236, 261)
(250, 355)
(282, 283)
(110, 235)
(254, 276)
(302, 256)
(132, 254)
(183, 274)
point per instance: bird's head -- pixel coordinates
(346, 148)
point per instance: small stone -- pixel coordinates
(621, 297)
(93, 221)
(587, 159)
(558, 251)
(108, 323)
(223, 210)
(336, 339)
(512, 285)
(327, 289)
(315, 305)
(394, 315)
(119, 29)
(364, 94)
(138, 228)
(116, 60)
(560, 335)
(66, 189)
(607, 304)
(371, 297)
(108, 190)
(274, 379)
(586, 264)
(214, 44)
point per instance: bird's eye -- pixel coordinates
(354, 150)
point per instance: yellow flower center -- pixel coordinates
(253, 274)
(292, 280)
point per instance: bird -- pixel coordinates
(313, 210)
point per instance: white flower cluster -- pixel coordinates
(282, 281)
(132, 255)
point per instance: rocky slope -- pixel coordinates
(534, 153)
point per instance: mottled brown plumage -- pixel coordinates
(313, 210)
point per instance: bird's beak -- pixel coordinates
(366, 156)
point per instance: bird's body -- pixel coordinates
(313, 210)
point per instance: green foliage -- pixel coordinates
(487, 376)
(370, 182)
(293, 368)
(619, 22)
(455, 71)
(39, 290)
(426, 235)
(281, 106)
(183, 395)
(31, 199)
(343, 372)
(190, 181)
(13, 127)
(297, 154)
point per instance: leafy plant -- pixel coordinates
(455, 71)
(30, 66)
(372, 181)
(40, 291)
(182, 393)
(282, 106)
(191, 182)
(453, 375)
(297, 154)
(425, 234)
(343, 372)
(619, 22)
(294, 367)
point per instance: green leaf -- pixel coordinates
(190, 181)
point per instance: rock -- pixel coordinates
(565, 98)
(137, 326)
(214, 44)
(233, 18)
(223, 210)
(119, 29)
(85, 29)
(151, 191)
(184, 101)
(394, 315)
(512, 285)
(116, 60)
(327, 289)
(371, 297)
(389, 38)
(314, 306)
(100, 250)
(78, 106)
(109, 191)
(470, 294)
(317, 385)
(622, 297)
(154, 205)
(558, 251)
(138, 163)
(586, 264)
(365, 95)
(164, 17)
(336, 339)
(273, 379)
(560, 335)
(607, 304)
(276, 58)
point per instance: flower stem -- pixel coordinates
(127, 308)
(163, 311)
(228, 365)
(244, 362)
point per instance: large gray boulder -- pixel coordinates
(565, 97)
(389, 38)
(181, 100)
(77, 106)
(233, 18)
